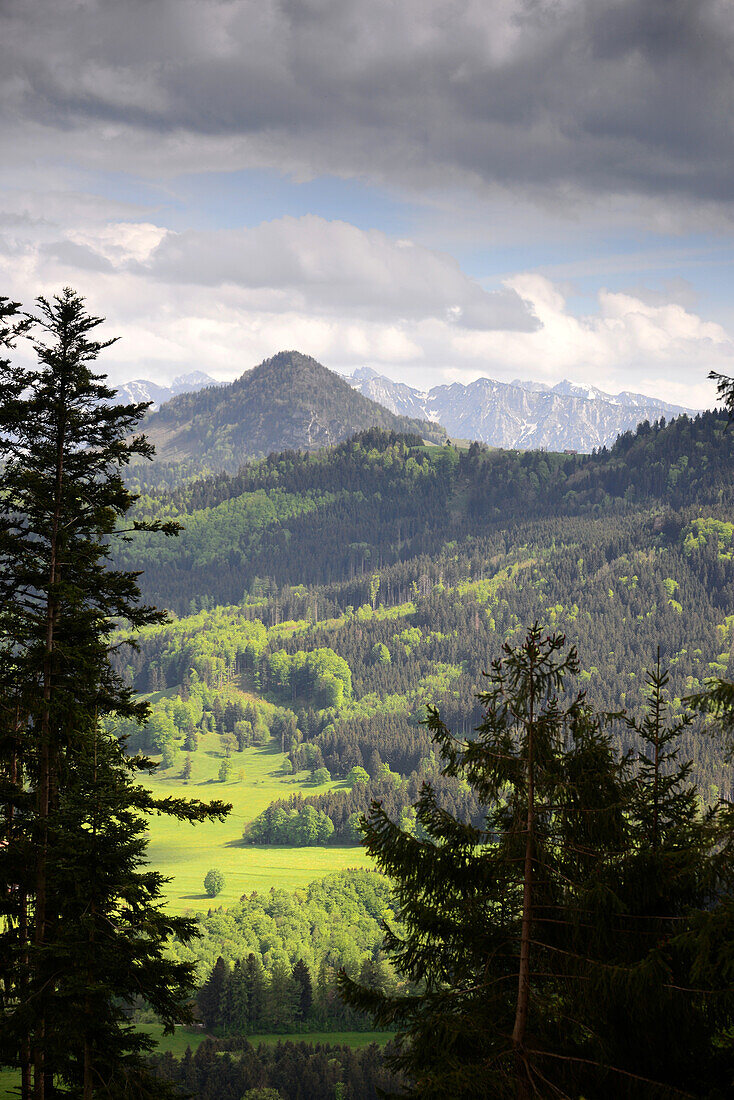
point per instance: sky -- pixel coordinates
(438, 189)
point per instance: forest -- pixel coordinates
(501, 679)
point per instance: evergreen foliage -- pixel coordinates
(82, 924)
(564, 947)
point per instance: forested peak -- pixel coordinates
(290, 364)
(289, 402)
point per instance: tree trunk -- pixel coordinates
(523, 984)
(46, 764)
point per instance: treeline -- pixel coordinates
(376, 501)
(333, 922)
(230, 1069)
(298, 820)
(245, 999)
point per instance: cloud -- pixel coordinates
(316, 266)
(566, 101)
(222, 302)
(647, 346)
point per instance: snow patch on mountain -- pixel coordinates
(523, 413)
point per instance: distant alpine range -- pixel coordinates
(292, 401)
(519, 414)
(142, 389)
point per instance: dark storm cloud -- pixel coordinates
(572, 96)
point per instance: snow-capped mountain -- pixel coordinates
(141, 389)
(523, 414)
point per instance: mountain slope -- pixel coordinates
(289, 402)
(526, 415)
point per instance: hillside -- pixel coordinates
(623, 550)
(520, 414)
(288, 402)
(379, 501)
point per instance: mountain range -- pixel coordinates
(142, 389)
(292, 401)
(287, 402)
(520, 414)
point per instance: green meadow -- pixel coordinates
(184, 1037)
(185, 853)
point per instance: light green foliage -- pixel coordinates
(357, 775)
(171, 755)
(212, 533)
(336, 917)
(214, 882)
(160, 730)
(409, 638)
(224, 770)
(725, 631)
(380, 654)
(320, 674)
(703, 531)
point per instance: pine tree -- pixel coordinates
(304, 989)
(15, 702)
(489, 913)
(211, 995)
(256, 990)
(62, 505)
(667, 976)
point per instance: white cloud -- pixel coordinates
(320, 266)
(222, 302)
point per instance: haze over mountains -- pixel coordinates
(523, 414)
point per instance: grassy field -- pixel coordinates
(185, 852)
(184, 1037)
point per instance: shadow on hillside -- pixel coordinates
(272, 748)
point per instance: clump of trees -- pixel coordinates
(298, 827)
(566, 945)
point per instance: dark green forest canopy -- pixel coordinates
(414, 564)
(378, 500)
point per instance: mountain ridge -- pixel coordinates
(521, 414)
(142, 389)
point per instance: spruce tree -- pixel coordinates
(63, 501)
(489, 913)
(663, 1006)
(580, 943)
